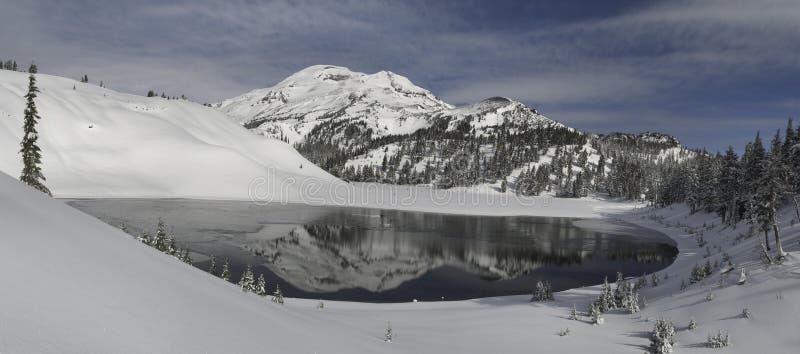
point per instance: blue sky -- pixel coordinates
(710, 72)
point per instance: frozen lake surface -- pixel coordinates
(373, 255)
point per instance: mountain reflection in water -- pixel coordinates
(360, 254)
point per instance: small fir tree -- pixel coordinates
(261, 286)
(226, 271)
(247, 282)
(30, 151)
(212, 269)
(662, 338)
(573, 313)
(595, 314)
(387, 337)
(277, 296)
(186, 256)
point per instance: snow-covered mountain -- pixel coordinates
(98, 142)
(385, 102)
(382, 127)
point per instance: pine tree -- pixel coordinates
(662, 338)
(772, 188)
(387, 337)
(573, 313)
(730, 186)
(160, 240)
(261, 286)
(213, 268)
(277, 296)
(31, 153)
(621, 292)
(186, 257)
(543, 292)
(595, 313)
(247, 282)
(226, 271)
(632, 301)
(172, 247)
(606, 301)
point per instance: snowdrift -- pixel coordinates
(98, 142)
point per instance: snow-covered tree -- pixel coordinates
(172, 247)
(632, 301)
(186, 256)
(621, 292)
(543, 291)
(247, 281)
(730, 187)
(573, 313)
(719, 340)
(226, 270)
(261, 286)
(772, 188)
(212, 269)
(160, 239)
(30, 151)
(388, 335)
(606, 300)
(595, 315)
(277, 296)
(662, 338)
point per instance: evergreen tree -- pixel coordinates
(31, 153)
(771, 189)
(261, 286)
(543, 292)
(606, 300)
(172, 247)
(730, 186)
(387, 337)
(662, 338)
(226, 271)
(595, 313)
(573, 313)
(247, 282)
(160, 240)
(277, 296)
(213, 268)
(632, 300)
(186, 257)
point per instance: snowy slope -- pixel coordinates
(73, 284)
(98, 142)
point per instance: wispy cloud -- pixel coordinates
(609, 66)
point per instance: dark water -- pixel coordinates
(373, 255)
